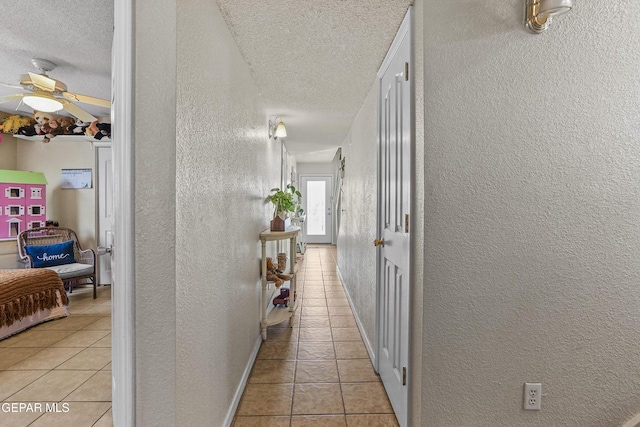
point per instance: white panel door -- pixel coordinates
(105, 213)
(316, 202)
(394, 178)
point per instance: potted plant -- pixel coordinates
(284, 202)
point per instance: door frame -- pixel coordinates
(331, 197)
(123, 287)
(407, 26)
(99, 182)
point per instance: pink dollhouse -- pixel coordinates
(23, 201)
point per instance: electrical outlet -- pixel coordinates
(532, 396)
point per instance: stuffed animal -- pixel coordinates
(104, 129)
(283, 298)
(80, 128)
(66, 125)
(92, 129)
(13, 123)
(275, 275)
(27, 130)
(46, 125)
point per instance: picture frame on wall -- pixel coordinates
(77, 179)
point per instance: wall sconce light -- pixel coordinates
(540, 12)
(277, 129)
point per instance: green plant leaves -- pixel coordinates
(284, 201)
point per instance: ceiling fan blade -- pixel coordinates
(11, 86)
(78, 112)
(43, 82)
(87, 99)
(12, 97)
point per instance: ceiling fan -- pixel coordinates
(49, 95)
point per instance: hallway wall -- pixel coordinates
(221, 184)
(532, 162)
(204, 219)
(356, 253)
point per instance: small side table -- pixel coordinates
(278, 314)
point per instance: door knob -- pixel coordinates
(102, 250)
(378, 242)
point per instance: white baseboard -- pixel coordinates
(365, 338)
(243, 383)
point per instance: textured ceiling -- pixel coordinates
(76, 35)
(314, 61)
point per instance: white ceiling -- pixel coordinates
(315, 61)
(76, 35)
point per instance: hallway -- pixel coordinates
(317, 373)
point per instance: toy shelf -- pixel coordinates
(64, 138)
(277, 314)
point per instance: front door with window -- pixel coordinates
(316, 202)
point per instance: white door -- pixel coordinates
(394, 178)
(105, 213)
(316, 202)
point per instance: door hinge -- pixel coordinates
(406, 71)
(404, 376)
(406, 223)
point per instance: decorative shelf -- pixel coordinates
(277, 314)
(64, 138)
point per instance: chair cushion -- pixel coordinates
(51, 255)
(69, 271)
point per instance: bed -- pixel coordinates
(29, 297)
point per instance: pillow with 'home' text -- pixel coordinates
(51, 255)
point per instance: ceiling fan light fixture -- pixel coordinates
(45, 103)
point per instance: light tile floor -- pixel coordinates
(317, 372)
(65, 361)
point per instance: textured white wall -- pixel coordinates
(532, 163)
(8, 152)
(417, 221)
(356, 253)
(225, 168)
(72, 208)
(155, 212)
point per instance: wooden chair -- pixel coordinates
(82, 271)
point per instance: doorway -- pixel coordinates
(395, 136)
(104, 193)
(317, 196)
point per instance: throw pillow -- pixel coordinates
(51, 255)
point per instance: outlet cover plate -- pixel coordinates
(532, 396)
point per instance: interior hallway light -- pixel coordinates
(540, 12)
(42, 102)
(277, 130)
